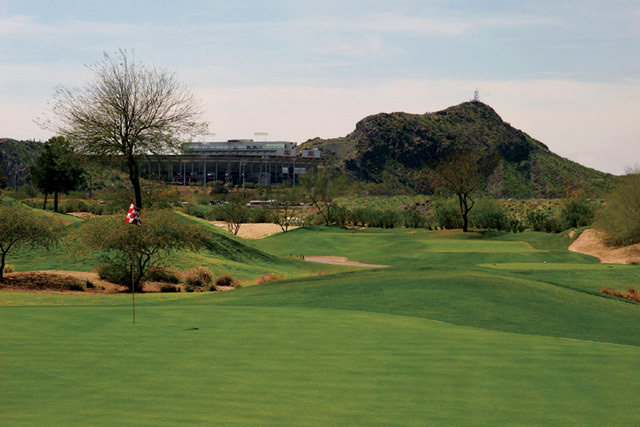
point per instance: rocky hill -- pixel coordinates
(15, 159)
(402, 147)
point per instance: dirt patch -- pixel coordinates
(57, 281)
(591, 242)
(71, 281)
(82, 215)
(337, 260)
(254, 230)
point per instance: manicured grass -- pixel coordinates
(460, 330)
(206, 364)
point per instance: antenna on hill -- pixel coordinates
(476, 96)
(264, 134)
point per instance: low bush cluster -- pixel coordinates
(225, 280)
(158, 273)
(198, 277)
(632, 294)
(269, 277)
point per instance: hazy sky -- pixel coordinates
(565, 72)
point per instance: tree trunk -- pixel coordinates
(44, 208)
(2, 264)
(55, 201)
(465, 222)
(135, 181)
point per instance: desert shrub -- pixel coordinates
(218, 187)
(215, 213)
(75, 287)
(515, 225)
(225, 280)
(552, 224)
(338, 215)
(269, 277)
(158, 273)
(620, 215)
(259, 215)
(199, 275)
(632, 293)
(489, 214)
(118, 271)
(89, 284)
(169, 288)
(8, 268)
(446, 213)
(576, 213)
(359, 217)
(413, 218)
(390, 218)
(198, 211)
(535, 220)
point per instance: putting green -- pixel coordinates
(201, 363)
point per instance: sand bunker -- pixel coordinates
(337, 260)
(591, 242)
(254, 230)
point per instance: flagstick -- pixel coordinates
(133, 284)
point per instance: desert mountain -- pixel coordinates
(402, 147)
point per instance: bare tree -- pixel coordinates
(125, 112)
(463, 173)
(322, 188)
(284, 206)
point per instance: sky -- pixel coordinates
(565, 72)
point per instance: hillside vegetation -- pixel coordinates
(15, 159)
(402, 147)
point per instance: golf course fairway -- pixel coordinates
(459, 330)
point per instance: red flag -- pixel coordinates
(133, 216)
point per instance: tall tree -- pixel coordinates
(127, 111)
(463, 173)
(57, 170)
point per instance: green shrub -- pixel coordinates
(8, 268)
(198, 277)
(389, 218)
(117, 271)
(620, 216)
(489, 214)
(576, 213)
(413, 218)
(360, 217)
(338, 215)
(536, 220)
(89, 284)
(553, 225)
(259, 215)
(446, 213)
